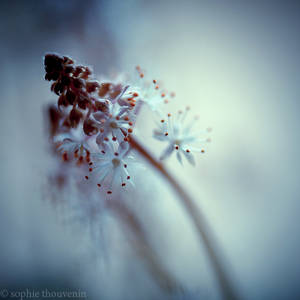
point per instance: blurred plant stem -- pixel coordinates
(204, 232)
(142, 245)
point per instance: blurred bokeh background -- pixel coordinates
(236, 63)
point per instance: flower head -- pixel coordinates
(151, 91)
(74, 149)
(110, 165)
(180, 137)
(115, 123)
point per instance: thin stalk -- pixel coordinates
(204, 232)
(164, 279)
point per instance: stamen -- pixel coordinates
(114, 138)
(90, 169)
(142, 75)
(128, 177)
(86, 177)
(202, 151)
(130, 130)
(130, 123)
(163, 95)
(154, 81)
(109, 192)
(116, 153)
(135, 94)
(125, 166)
(99, 185)
(65, 156)
(123, 184)
(103, 151)
(162, 120)
(187, 150)
(90, 163)
(166, 134)
(176, 147)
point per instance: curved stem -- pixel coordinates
(164, 279)
(204, 232)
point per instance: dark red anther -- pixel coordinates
(65, 156)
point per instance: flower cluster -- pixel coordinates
(92, 122)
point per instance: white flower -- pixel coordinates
(150, 91)
(110, 165)
(72, 145)
(115, 123)
(180, 137)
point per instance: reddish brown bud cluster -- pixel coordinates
(71, 82)
(75, 88)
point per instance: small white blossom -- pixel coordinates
(150, 91)
(72, 145)
(115, 123)
(180, 137)
(110, 165)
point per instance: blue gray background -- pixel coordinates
(236, 63)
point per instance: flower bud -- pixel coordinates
(91, 86)
(83, 102)
(90, 127)
(75, 117)
(101, 106)
(78, 83)
(104, 89)
(70, 97)
(62, 101)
